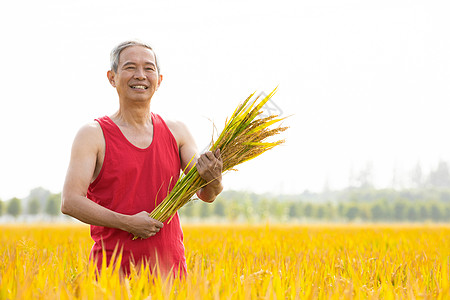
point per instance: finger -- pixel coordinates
(217, 154)
(217, 164)
(211, 161)
(210, 155)
(200, 164)
(156, 222)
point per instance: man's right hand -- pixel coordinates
(142, 226)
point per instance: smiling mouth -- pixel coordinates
(139, 87)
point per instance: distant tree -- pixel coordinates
(399, 210)
(444, 196)
(53, 205)
(41, 195)
(34, 206)
(388, 210)
(292, 210)
(435, 213)
(447, 213)
(247, 210)
(187, 210)
(365, 176)
(412, 214)
(441, 176)
(263, 209)
(14, 207)
(232, 210)
(205, 209)
(424, 213)
(279, 210)
(364, 212)
(330, 211)
(219, 207)
(326, 191)
(416, 176)
(377, 212)
(320, 212)
(308, 210)
(341, 209)
(1, 207)
(352, 212)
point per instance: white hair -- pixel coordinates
(115, 53)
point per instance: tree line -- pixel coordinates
(235, 206)
(39, 202)
(363, 204)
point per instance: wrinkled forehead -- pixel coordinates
(137, 54)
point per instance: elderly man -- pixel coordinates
(122, 164)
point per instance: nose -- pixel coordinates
(139, 74)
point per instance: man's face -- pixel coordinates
(136, 78)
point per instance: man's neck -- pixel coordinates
(135, 115)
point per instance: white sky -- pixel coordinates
(365, 81)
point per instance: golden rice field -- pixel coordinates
(239, 262)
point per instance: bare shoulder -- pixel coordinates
(90, 130)
(185, 141)
(175, 125)
(89, 135)
(179, 130)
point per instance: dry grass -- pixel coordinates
(239, 262)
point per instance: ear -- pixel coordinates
(160, 78)
(110, 74)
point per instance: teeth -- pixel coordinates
(141, 87)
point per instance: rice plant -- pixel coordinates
(244, 137)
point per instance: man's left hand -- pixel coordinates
(209, 166)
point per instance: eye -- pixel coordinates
(150, 69)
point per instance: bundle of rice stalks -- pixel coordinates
(242, 139)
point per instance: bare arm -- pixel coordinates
(209, 165)
(86, 146)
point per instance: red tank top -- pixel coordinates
(132, 180)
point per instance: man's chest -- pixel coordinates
(139, 138)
